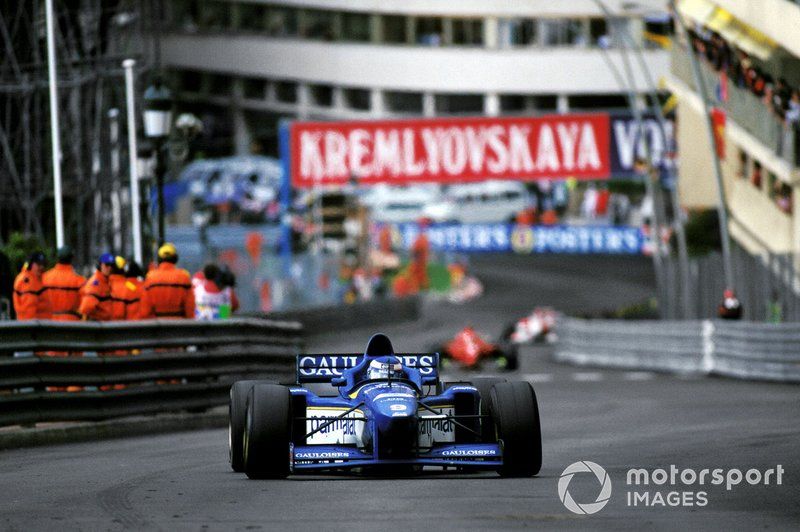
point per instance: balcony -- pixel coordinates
(742, 107)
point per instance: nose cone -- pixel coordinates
(394, 414)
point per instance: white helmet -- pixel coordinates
(383, 370)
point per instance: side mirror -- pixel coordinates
(338, 381)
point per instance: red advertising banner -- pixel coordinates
(450, 150)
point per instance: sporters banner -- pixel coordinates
(475, 238)
(449, 150)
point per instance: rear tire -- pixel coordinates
(237, 413)
(516, 416)
(484, 386)
(267, 432)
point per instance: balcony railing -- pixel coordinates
(742, 107)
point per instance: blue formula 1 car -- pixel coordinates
(389, 412)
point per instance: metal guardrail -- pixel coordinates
(746, 109)
(747, 350)
(162, 365)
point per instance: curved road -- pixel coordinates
(620, 420)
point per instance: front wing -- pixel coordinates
(321, 457)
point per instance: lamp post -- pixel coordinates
(157, 125)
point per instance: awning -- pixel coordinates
(698, 10)
(755, 43)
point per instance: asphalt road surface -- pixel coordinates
(617, 419)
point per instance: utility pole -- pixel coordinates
(722, 205)
(55, 132)
(136, 221)
(683, 253)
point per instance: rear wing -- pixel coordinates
(323, 368)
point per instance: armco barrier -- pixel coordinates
(736, 349)
(167, 365)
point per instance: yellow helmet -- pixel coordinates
(120, 262)
(167, 251)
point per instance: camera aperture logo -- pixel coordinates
(588, 508)
(663, 487)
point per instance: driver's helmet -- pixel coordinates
(382, 369)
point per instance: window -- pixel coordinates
(597, 30)
(252, 17)
(546, 102)
(215, 15)
(318, 24)
(563, 32)
(321, 95)
(191, 80)
(286, 91)
(598, 101)
(394, 29)
(517, 32)
(282, 22)
(219, 85)
(459, 103)
(403, 102)
(512, 103)
(743, 164)
(254, 88)
(357, 99)
(429, 31)
(355, 27)
(467, 32)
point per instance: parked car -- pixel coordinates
(486, 202)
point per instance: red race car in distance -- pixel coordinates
(470, 349)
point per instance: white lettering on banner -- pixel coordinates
(548, 156)
(449, 151)
(310, 156)
(387, 152)
(588, 155)
(626, 133)
(499, 163)
(520, 149)
(568, 136)
(411, 167)
(360, 143)
(336, 150)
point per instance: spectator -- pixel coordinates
(96, 301)
(62, 287)
(29, 299)
(730, 308)
(117, 282)
(167, 289)
(213, 299)
(134, 279)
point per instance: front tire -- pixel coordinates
(237, 413)
(267, 432)
(484, 386)
(516, 415)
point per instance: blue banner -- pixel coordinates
(476, 238)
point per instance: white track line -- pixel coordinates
(538, 377)
(589, 376)
(638, 376)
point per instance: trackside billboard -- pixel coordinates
(450, 150)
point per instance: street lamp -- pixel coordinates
(157, 124)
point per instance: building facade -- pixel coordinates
(749, 58)
(256, 62)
